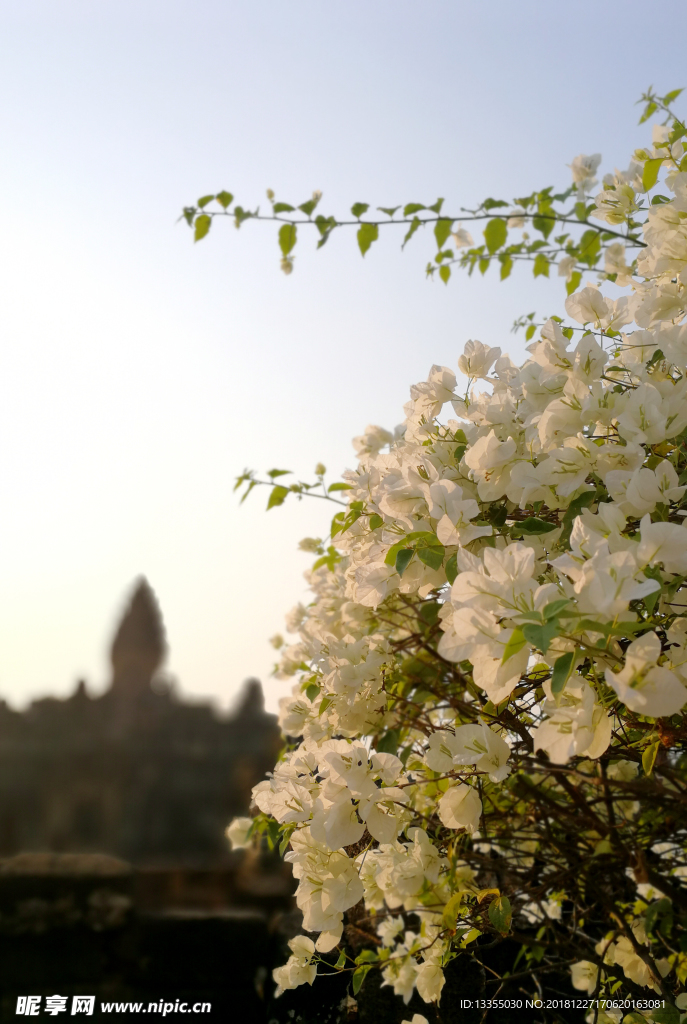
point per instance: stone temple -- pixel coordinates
(136, 772)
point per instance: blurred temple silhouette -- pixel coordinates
(137, 772)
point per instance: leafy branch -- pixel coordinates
(581, 244)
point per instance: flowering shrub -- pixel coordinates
(485, 735)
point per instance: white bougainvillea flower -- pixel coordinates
(469, 744)
(460, 807)
(477, 359)
(237, 832)
(645, 686)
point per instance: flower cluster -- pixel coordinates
(486, 723)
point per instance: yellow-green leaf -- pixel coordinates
(367, 234)
(495, 234)
(202, 226)
(500, 914)
(359, 976)
(649, 757)
(442, 229)
(650, 173)
(515, 644)
(277, 496)
(287, 238)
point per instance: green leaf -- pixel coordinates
(367, 234)
(277, 496)
(286, 838)
(545, 224)
(224, 199)
(359, 976)
(273, 832)
(339, 486)
(500, 914)
(442, 229)
(367, 956)
(541, 265)
(375, 522)
(590, 247)
(484, 265)
(417, 535)
(358, 209)
(412, 208)
(650, 173)
(287, 238)
(240, 215)
(449, 918)
(506, 266)
(666, 1015)
(202, 226)
(414, 225)
(324, 704)
(515, 644)
(581, 211)
(272, 473)
(403, 559)
(529, 333)
(495, 234)
(340, 961)
(573, 284)
(655, 911)
(203, 202)
(325, 225)
(388, 743)
(308, 206)
(534, 527)
(436, 207)
(562, 668)
(432, 556)
(351, 518)
(671, 96)
(445, 272)
(388, 210)
(649, 109)
(603, 847)
(575, 507)
(649, 757)
(493, 204)
(452, 569)
(541, 636)
(555, 608)
(283, 208)
(429, 612)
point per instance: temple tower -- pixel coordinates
(139, 647)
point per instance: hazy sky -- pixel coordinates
(140, 374)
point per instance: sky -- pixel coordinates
(140, 374)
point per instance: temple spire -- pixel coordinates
(139, 646)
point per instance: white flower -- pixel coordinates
(237, 832)
(462, 239)
(470, 744)
(643, 685)
(371, 441)
(584, 976)
(477, 359)
(583, 170)
(460, 807)
(429, 982)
